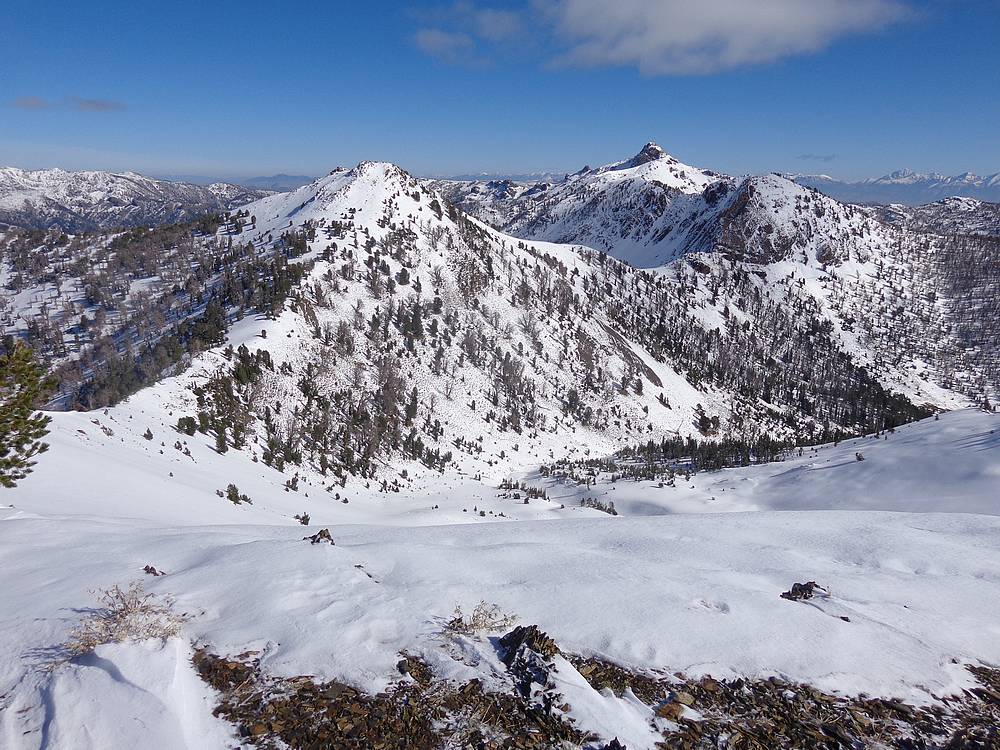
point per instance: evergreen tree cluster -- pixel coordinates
(112, 339)
(22, 386)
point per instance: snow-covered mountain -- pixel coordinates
(361, 357)
(911, 267)
(87, 201)
(948, 216)
(412, 336)
(641, 209)
(907, 187)
(652, 209)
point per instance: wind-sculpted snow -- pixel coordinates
(911, 594)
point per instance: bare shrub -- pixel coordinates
(484, 618)
(130, 614)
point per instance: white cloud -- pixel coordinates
(448, 46)
(495, 25)
(465, 32)
(705, 36)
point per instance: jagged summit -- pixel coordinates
(627, 208)
(650, 152)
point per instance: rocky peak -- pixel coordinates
(650, 152)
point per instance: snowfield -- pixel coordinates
(950, 464)
(696, 593)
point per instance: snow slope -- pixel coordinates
(948, 464)
(696, 592)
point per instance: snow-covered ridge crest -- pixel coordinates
(634, 209)
(651, 209)
(367, 184)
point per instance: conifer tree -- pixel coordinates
(221, 445)
(22, 384)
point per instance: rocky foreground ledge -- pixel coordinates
(533, 709)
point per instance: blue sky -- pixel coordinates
(853, 88)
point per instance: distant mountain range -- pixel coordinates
(907, 187)
(88, 201)
(277, 183)
(98, 200)
(512, 176)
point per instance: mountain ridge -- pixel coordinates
(907, 187)
(387, 290)
(93, 200)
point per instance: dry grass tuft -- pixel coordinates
(485, 618)
(129, 614)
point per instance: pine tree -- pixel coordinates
(22, 384)
(411, 406)
(221, 445)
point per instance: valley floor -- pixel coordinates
(670, 585)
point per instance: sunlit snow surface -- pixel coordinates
(952, 464)
(694, 592)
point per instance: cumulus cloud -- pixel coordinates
(95, 105)
(31, 102)
(663, 37)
